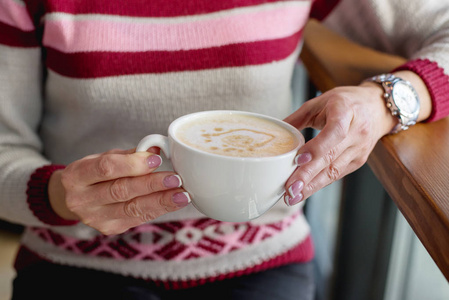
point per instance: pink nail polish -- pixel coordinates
(181, 199)
(303, 158)
(154, 161)
(292, 201)
(296, 188)
(172, 181)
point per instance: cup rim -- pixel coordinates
(299, 137)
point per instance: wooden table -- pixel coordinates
(413, 166)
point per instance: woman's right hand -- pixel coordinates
(115, 191)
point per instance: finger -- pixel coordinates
(127, 188)
(336, 170)
(322, 150)
(112, 151)
(138, 210)
(307, 171)
(332, 173)
(121, 151)
(150, 207)
(304, 116)
(336, 125)
(111, 166)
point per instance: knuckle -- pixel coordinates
(166, 203)
(145, 218)
(365, 129)
(132, 209)
(341, 128)
(162, 201)
(152, 185)
(119, 190)
(360, 161)
(105, 166)
(333, 173)
(309, 189)
(330, 156)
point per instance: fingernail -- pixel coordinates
(296, 188)
(154, 161)
(181, 199)
(292, 201)
(303, 158)
(172, 181)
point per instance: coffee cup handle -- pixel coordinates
(154, 140)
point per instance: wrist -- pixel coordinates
(56, 197)
(387, 121)
(38, 197)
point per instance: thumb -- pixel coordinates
(304, 117)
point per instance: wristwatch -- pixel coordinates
(401, 98)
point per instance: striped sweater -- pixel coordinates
(82, 77)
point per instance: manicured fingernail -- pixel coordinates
(181, 199)
(303, 158)
(154, 161)
(292, 201)
(296, 188)
(172, 181)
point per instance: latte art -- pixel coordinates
(236, 135)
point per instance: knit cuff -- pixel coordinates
(437, 83)
(37, 197)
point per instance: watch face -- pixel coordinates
(405, 98)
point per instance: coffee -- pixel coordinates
(236, 135)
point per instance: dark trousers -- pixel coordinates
(49, 281)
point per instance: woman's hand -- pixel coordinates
(115, 191)
(351, 120)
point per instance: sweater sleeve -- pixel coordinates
(415, 29)
(20, 115)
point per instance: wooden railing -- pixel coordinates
(413, 166)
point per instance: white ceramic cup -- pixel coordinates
(227, 188)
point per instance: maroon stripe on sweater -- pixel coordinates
(103, 64)
(37, 196)
(153, 8)
(322, 8)
(437, 83)
(12, 36)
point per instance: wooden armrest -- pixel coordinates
(413, 166)
(332, 60)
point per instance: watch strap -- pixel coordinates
(387, 82)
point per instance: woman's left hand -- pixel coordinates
(351, 120)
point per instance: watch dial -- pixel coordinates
(405, 98)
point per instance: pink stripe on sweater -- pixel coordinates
(77, 35)
(16, 15)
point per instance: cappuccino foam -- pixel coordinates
(236, 135)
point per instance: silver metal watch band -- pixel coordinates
(387, 81)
